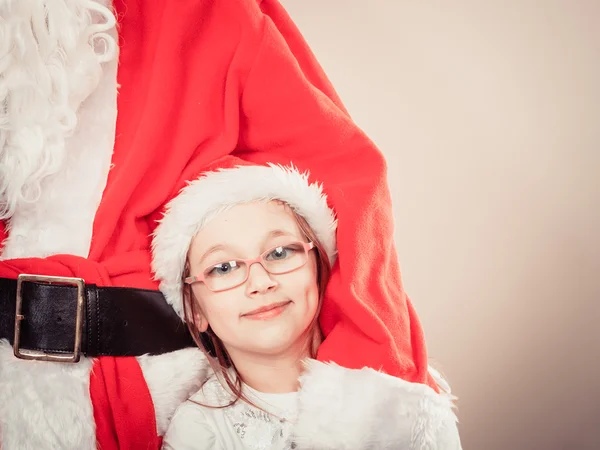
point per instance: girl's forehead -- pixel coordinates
(247, 224)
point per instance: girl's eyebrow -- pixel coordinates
(213, 249)
(277, 233)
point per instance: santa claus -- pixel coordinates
(107, 110)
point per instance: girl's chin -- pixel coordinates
(276, 344)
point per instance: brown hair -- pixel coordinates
(211, 345)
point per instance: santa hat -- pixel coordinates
(232, 182)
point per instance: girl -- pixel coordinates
(243, 255)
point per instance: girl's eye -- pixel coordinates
(279, 253)
(222, 269)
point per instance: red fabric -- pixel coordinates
(118, 423)
(203, 79)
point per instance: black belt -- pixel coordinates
(58, 319)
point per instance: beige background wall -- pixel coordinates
(489, 115)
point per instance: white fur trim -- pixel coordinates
(364, 409)
(47, 405)
(439, 379)
(172, 378)
(44, 405)
(213, 193)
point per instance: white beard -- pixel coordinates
(51, 53)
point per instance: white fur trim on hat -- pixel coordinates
(214, 192)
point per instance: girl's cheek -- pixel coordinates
(218, 305)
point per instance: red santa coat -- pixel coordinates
(197, 81)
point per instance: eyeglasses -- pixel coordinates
(277, 261)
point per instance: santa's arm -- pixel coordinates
(290, 112)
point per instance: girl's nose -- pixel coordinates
(259, 280)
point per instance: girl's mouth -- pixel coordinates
(268, 311)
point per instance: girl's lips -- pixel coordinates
(267, 312)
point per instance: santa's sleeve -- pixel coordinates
(364, 409)
(290, 113)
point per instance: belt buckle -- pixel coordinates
(43, 356)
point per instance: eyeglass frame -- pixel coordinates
(307, 246)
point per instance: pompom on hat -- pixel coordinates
(230, 182)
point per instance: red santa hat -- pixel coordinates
(232, 181)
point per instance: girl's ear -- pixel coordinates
(200, 320)
(199, 317)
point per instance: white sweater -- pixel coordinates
(237, 427)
